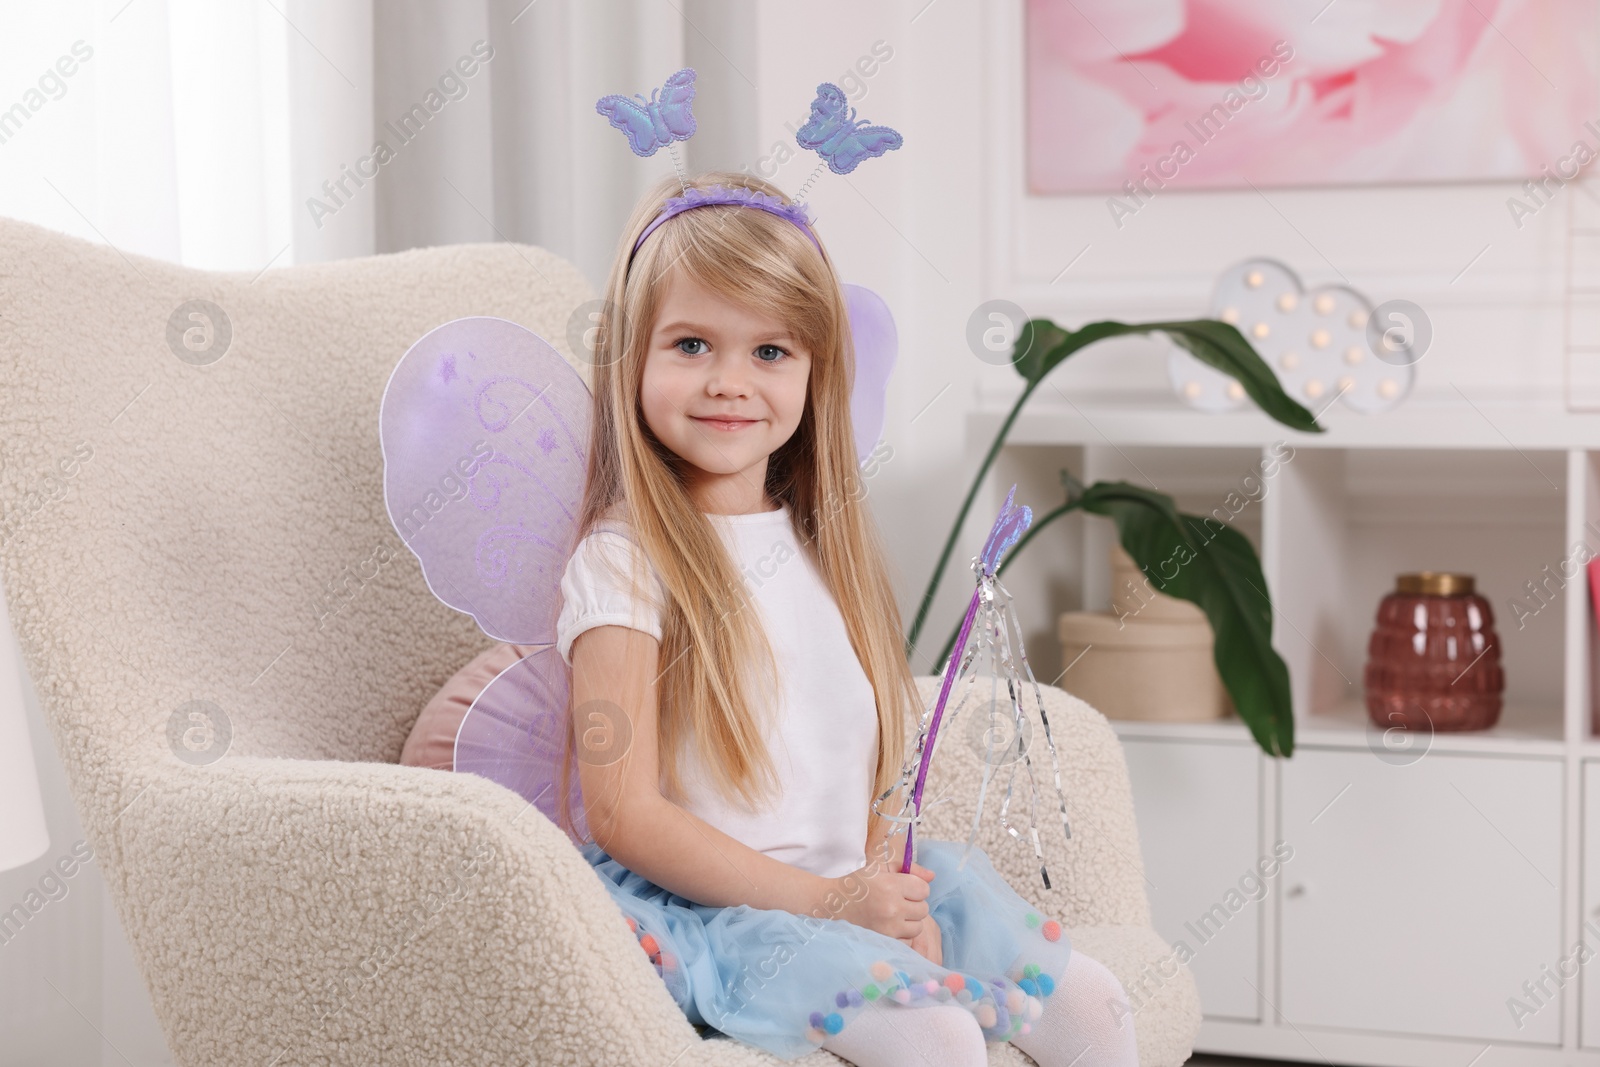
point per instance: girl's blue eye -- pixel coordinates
(695, 346)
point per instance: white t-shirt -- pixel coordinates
(823, 734)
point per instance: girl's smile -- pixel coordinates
(723, 424)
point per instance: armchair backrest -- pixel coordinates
(191, 503)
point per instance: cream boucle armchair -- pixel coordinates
(231, 645)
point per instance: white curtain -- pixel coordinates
(157, 126)
(249, 134)
(521, 154)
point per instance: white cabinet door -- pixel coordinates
(1420, 897)
(1198, 807)
(1589, 977)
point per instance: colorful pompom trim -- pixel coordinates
(662, 961)
(1001, 1012)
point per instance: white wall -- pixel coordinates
(72, 995)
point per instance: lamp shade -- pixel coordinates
(23, 837)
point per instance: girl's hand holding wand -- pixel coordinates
(930, 942)
(893, 904)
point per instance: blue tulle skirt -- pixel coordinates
(784, 982)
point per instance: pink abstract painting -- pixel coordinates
(1230, 93)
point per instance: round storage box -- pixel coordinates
(1134, 595)
(1151, 671)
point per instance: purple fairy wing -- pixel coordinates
(515, 734)
(877, 345)
(484, 429)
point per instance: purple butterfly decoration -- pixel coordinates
(656, 122)
(842, 140)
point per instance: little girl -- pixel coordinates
(739, 685)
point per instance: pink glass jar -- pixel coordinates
(1433, 662)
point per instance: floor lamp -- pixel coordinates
(23, 838)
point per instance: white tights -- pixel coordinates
(1085, 1024)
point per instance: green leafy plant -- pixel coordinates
(1217, 569)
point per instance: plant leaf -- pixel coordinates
(1035, 342)
(1213, 566)
(1041, 346)
(1220, 345)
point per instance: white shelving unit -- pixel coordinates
(1431, 877)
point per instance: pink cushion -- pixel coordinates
(433, 739)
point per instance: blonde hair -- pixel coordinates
(707, 703)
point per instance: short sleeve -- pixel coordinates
(598, 589)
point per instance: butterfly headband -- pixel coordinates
(832, 131)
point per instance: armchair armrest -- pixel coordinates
(293, 911)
